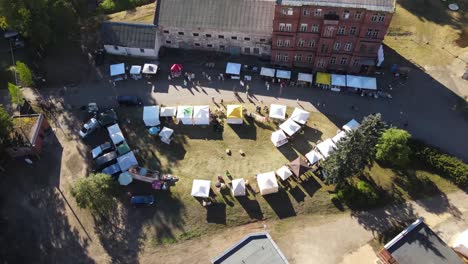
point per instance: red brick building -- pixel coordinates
(334, 35)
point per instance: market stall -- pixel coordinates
(326, 147)
(151, 115)
(201, 188)
(125, 178)
(238, 187)
(168, 111)
(127, 161)
(267, 73)
(298, 166)
(150, 69)
(283, 172)
(176, 70)
(369, 83)
(234, 114)
(290, 127)
(339, 136)
(184, 114)
(233, 70)
(166, 135)
(117, 72)
(300, 116)
(267, 183)
(277, 111)
(361, 82)
(201, 115)
(115, 134)
(323, 80)
(313, 157)
(279, 138)
(338, 82)
(135, 72)
(304, 79)
(282, 74)
(351, 125)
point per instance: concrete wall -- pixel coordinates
(134, 52)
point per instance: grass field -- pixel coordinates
(141, 14)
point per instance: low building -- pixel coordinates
(28, 135)
(130, 39)
(235, 27)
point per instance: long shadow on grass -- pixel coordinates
(206, 132)
(252, 207)
(301, 141)
(248, 130)
(281, 204)
(216, 213)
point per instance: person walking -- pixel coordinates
(247, 88)
(267, 84)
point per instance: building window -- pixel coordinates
(303, 28)
(344, 61)
(329, 31)
(256, 50)
(374, 17)
(209, 45)
(166, 31)
(116, 48)
(358, 15)
(315, 28)
(324, 48)
(221, 47)
(287, 42)
(278, 57)
(345, 14)
(309, 59)
(320, 63)
(362, 48)
(208, 35)
(332, 60)
(300, 43)
(352, 31)
(142, 50)
(369, 32)
(375, 34)
(298, 57)
(306, 11)
(356, 62)
(336, 46)
(318, 12)
(370, 49)
(168, 42)
(341, 30)
(282, 27)
(234, 37)
(288, 27)
(286, 57)
(287, 11)
(247, 50)
(312, 44)
(347, 47)
(181, 33)
(246, 39)
(220, 36)
(262, 40)
(279, 42)
(197, 44)
(196, 34)
(381, 17)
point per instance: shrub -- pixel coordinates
(24, 73)
(393, 147)
(16, 95)
(358, 195)
(447, 166)
(111, 6)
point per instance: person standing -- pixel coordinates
(247, 88)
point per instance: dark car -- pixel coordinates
(128, 100)
(107, 118)
(101, 149)
(112, 169)
(142, 200)
(105, 159)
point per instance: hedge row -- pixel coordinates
(359, 195)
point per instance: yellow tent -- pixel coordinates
(234, 114)
(323, 78)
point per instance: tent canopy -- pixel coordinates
(283, 74)
(326, 147)
(279, 138)
(115, 134)
(135, 69)
(201, 115)
(238, 187)
(305, 77)
(290, 127)
(353, 81)
(168, 111)
(314, 156)
(283, 172)
(267, 183)
(338, 80)
(233, 68)
(298, 166)
(234, 114)
(339, 136)
(269, 72)
(323, 78)
(300, 116)
(149, 68)
(127, 161)
(176, 68)
(278, 111)
(125, 178)
(123, 148)
(166, 133)
(184, 114)
(460, 243)
(369, 83)
(117, 69)
(201, 188)
(151, 115)
(351, 125)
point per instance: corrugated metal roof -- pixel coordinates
(129, 35)
(373, 5)
(252, 16)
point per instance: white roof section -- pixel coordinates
(372, 5)
(233, 68)
(339, 136)
(460, 243)
(279, 138)
(305, 77)
(127, 161)
(290, 127)
(300, 116)
(135, 69)
(184, 114)
(201, 188)
(115, 134)
(283, 74)
(326, 147)
(283, 172)
(338, 80)
(267, 183)
(117, 69)
(166, 133)
(233, 120)
(201, 115)
(351, 125)
(269, 72)
(314, 156)
(369, 83)
(149, 68)
(151, 115)
(168, 111)
(238, 187)
(278, 111)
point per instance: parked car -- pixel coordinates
(105, 159)
(101, 149)
(107, 118)
(112, 169)
(89, 127)
(128, 100)
(142, 200)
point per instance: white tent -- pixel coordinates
(268, 72)
(300, 116)
(234, 114)
(201, 115)
(115, 134)
(283, 74)
(338, 80)
(283, 172)
(290, 127)
(326, 147)
(460, 243)
(151, 115)
(149, 68)
(369, 83)
(353, 81)
(135, 69)
(168, 111)
(313, 156)
(201, 188)
(305, 77)
(238, 187)
(279, 138)
(380, 56)
(339, 136)
(127, 161)
(166, 133)
(117, 69)
(184, 114)
(278, 111)
(233, 68)
(351, 125)
(267, 183)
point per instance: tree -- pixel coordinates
(24, 73)
(16, 95)
(355, 151)
(6, 124)
(393, 147)
(96, 193)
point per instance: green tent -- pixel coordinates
(123, 148)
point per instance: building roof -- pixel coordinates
(128, 35)
(249, 16)
(26, 127)
(419, 244)
(373, 5)
(257, 248)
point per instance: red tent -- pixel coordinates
(176, 68)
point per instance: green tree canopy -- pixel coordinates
(24, 73)
(96, 193)
(393, 147)
(16, 95)
(6, 124)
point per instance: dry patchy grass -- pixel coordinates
(141, 14)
